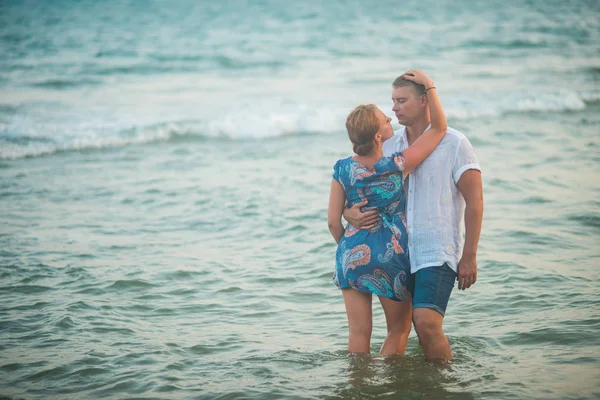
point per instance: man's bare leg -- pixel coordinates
(428, 324)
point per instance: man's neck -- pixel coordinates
(415, 130)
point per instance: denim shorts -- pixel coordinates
(432, 287)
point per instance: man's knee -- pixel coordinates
(428, 323)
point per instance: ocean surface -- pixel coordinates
(164, 176)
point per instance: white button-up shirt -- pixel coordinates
(435, 207)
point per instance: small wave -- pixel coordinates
(232, 63)
(176, 57)
(8, 109)
(178, 63)
(65, 323)
(262, 121)
(594, 72)
(182, 275)
(26, 289)
(50, 373)
(558, 102)
(24, 147)
(589, 220)
(257, 125)
(491, 106)
(130, 285)
(62, 84)
(506, 45)
(140, 69)
(590, 97)
(202, 350)
(117, 53)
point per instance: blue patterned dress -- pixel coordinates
(375, 260)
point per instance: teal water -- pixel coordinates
(164, 174)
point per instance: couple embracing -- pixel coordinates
(413, 201)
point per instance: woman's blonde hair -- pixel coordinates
(362, 125)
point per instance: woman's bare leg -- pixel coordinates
(398, 316)
(360, 320)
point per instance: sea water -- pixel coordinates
(164, 176)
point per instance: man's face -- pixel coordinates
(408, 105)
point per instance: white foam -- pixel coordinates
(265, 119)
(277, 123)
(551, 102)
(496, 104)
(231, 125)
(165, 132)
(590, 97)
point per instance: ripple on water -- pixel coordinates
(129, 285)
(551, 336)
(113, 330)
(26, 289)
(26, 307)
(231, 293)
(80, 306)
(183, 292)
(151, 297)
(65, 323)
(537, 200)
(55, 373)
(327, 246)
(588, 220)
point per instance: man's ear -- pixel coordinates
(424, 101)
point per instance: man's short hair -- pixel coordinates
(399, 82)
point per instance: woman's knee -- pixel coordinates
(362, 330)
(400, 328)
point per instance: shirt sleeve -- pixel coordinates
(464, 159)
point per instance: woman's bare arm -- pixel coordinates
(337, 201)
(428, 141)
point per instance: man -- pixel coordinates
(445, 189)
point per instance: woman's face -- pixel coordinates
(385, 126)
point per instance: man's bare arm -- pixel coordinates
(471, 188)
(359, 219)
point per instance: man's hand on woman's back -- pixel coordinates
(359, 219)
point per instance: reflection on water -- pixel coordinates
(406, 377)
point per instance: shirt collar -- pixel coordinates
(404, 139)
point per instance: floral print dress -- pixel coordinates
(375, 260)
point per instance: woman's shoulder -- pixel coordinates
(340, 167)
(344, 160)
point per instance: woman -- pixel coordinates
(375, 261)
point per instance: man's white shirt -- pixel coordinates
(435, 207)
